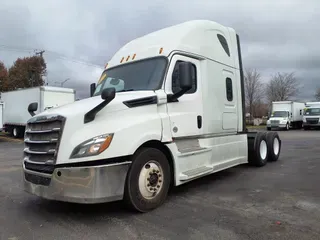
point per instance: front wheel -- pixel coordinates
(148, 180)
(287, 127)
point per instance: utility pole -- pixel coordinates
(40, 53)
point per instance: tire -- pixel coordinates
(268, 128)
(258, 151)
(18, 132)
(287, 127)
(274, 146)
(139, 186)
(306, 128)
(15, 132)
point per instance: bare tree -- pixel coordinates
(317, 95)
(253, 89)
(282, 87)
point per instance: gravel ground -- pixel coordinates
(278, 201)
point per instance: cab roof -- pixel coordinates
(204, 38)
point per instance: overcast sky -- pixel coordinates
(277, 35)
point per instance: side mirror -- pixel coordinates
(185, 81)
(92, 89)
(185, 76)
(32, 108)
(108, 93)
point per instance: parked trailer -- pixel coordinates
(286, 114)
(311, 118)
(15, 113)
(168, 108)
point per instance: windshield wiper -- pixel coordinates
(126, 90)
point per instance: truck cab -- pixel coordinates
(168, 108)
(311, 116)
(279, 119)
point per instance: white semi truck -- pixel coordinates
(286, 115)
(15, 114)
(311, 118)
(168, 108)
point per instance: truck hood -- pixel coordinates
(81, 107)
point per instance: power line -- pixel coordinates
(51, 53)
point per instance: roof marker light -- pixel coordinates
(160, 51)
(127, 58)
(122, 59)
(134, 56)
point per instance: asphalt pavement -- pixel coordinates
(278, 201)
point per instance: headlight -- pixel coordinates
(92, 147)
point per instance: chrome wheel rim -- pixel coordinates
(263, 149)
(276, 146)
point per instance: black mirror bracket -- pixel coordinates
(107, 95)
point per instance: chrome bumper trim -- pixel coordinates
(94, 184)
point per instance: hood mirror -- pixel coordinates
(33, 107)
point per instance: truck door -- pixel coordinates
(186, 115)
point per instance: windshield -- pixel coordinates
(141, 75)
(312, 111)
(280, 114)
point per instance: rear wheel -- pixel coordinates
(17, 131)
(258, 153)
(274, 146)
(148, 180)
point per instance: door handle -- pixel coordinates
(199, 121)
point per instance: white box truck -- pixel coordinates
(1, 116)
(286, 115)
(15, 111)
(311, 117)
(168, 108)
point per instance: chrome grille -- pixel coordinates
(312, 120)
(275, 121)
(42, 139)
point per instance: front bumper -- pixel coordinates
(94, 184)
(305, 124)
(277, 125)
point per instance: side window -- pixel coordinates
(175, 79)
(229, 89)
(300, 111)
(224, 44)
